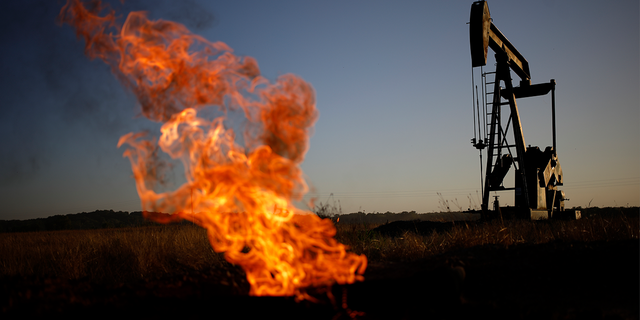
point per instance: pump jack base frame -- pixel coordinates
(511, 213)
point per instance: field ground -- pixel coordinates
(585, 269)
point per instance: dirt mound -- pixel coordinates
(398, 228)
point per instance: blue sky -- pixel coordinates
(393, 89)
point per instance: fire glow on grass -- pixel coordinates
(242, 194)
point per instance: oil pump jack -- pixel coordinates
(537, 173)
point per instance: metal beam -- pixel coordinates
(533, 90)
(499, 43)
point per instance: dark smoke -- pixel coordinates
(49, 88)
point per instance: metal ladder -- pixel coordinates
(500, 141)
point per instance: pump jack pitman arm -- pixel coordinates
(484, 34)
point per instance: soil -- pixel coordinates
(560, 280)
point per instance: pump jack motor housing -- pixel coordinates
(537, 173)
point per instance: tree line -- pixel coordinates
(99, 219)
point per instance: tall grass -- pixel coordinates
(363, 238)
(129, 254)
(108, 256)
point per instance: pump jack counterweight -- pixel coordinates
(537, 173)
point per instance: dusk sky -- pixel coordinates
(393, 91)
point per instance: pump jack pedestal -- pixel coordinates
(508, 213)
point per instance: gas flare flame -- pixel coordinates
(242, 194)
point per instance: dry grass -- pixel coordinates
(363, 239)
(129, 254)
(108, 256)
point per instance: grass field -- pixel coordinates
(413, 241)
(579, 269)
(112, 256)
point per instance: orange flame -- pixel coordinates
(242, 194)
